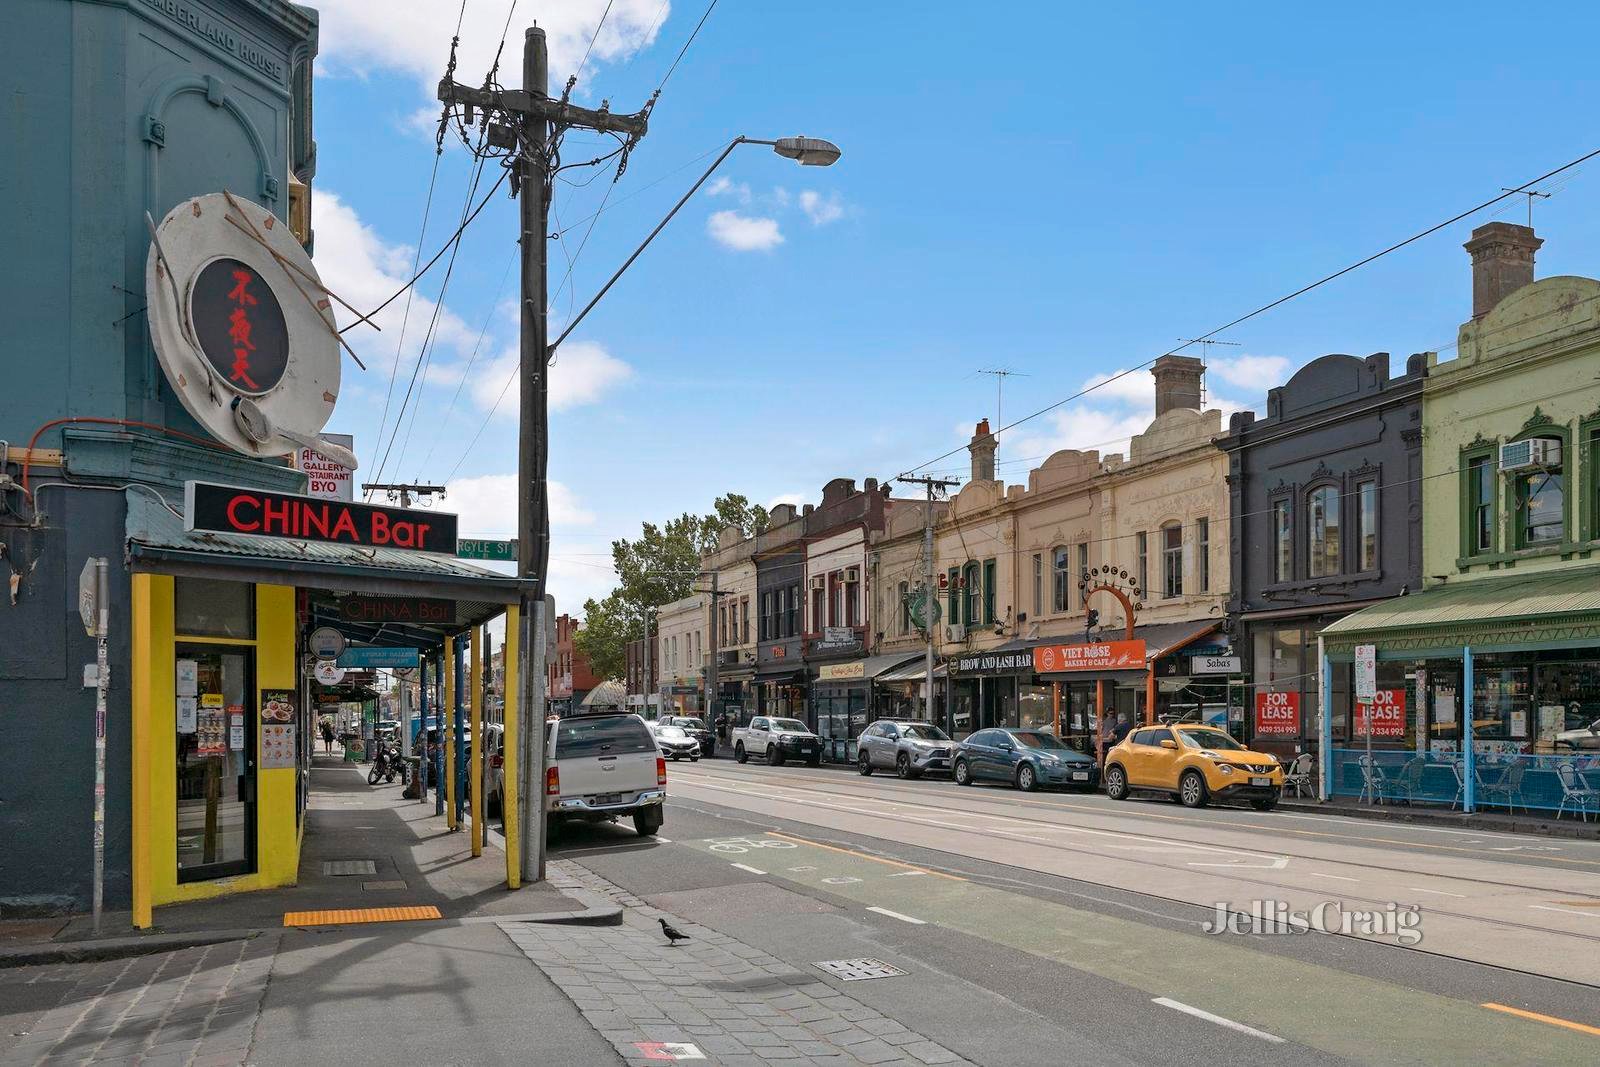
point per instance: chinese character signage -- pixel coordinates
(240, 326)
(1387, 712)
(1278, 714)
(1105, 656)
(231, 509)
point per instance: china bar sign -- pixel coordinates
(235, 510)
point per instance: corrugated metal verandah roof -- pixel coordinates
(158, 542)
(1545, 608)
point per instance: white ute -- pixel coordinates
(777, 740)
(602, 768)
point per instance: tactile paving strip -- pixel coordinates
(342, 916)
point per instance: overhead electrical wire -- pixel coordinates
(1281, 300)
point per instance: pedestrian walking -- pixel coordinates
(327, 737)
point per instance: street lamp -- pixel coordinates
(807, 151)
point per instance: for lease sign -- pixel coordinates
(1386, 712)
(1278, 714)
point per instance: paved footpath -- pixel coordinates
(736, 1004)
(196, 1007)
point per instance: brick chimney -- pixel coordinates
(1178, 381)
(1502, 263)
(982, 449)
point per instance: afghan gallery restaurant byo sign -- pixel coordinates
(235, 510)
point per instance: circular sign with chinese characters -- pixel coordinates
(240, 326)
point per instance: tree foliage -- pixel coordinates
(659, 566)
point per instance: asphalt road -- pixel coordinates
(1055, 927)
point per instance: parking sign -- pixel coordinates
(1366, 671)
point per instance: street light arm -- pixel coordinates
(573, 325)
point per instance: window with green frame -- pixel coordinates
(952, 613)
(1478, 502)
(972, 582)
(1591, 477)
(1540, 494)
(988, 590)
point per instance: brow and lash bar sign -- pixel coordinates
(236, 510)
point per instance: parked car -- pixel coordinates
(909, 747)
(1584, 737)
(1027, 759)
(494, 767)
(1194, 762)
(675, 743)
(777, 740)
(695, 728)
(604, 767)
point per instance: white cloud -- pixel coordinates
(413, 37)
(819, 209)
(723, 186)
(582, 373)
(744, 233)
(1256, 373)
(487, 505)
(1083, 428)
(1138, 387)
(797, 499)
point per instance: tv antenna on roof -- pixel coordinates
(1530, 194)
(1000, 377)
(1205, 357)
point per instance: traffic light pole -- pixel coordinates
(528, 118)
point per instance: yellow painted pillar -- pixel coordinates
(142, 684)
(475, 706)
(447, 731)
(511, 802)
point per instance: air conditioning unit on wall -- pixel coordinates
(1532, 452)
(852, 574)
(955, 632)
(819, 582)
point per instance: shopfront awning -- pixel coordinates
(1159, 639)
(158, 543)
(913, 670)
(1557, 608)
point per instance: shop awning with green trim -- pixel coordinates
(1557, 608)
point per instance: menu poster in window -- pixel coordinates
(277, 745)
(277, 705)
(188, 714)
(1552, 717)
(1519, 724)
(1444, 705)
(188, 674)
(236, 727)
(211, 728)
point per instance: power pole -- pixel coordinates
(404, 490)
(930, 598)
(525, 120)
(713, 691)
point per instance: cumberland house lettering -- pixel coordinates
(224, 37)
(230, 509)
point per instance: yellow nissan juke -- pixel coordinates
(1194, 763)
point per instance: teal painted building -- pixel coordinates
(114, 109)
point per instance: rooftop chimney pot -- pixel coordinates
(1502, 263)
(1178, 380)
(982, 448)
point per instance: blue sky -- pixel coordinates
(1060, 190)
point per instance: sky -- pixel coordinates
(1062, 191)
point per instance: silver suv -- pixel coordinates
(910, 747)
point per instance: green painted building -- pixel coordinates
(1495, 662)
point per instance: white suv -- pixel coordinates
(603, 767)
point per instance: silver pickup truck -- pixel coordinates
(603, 768)
(777, 740)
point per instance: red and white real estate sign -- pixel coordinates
(1278, 714)
(1386, 712)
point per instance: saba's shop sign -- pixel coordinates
(236, 510)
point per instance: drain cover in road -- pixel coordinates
(343, 867)
(859, 970)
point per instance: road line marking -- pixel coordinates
(1178, 1005)
(1335, 877)
(862, 855)
(1551, 1019)
(1567, 911)
(747, 867)
(1580, 903)
(1436, 892)
(899, 874)
(664, 840)
(897, 915)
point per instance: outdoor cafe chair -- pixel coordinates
(1508, 785)
(1409, 780)
(1576, 791)
(1298, 776)
(1372, 779)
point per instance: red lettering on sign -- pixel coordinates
(380, 528)
(236, 520)
(315, 520)
(345, 527)
(1386, 712)
(275, 519)
(239, 328)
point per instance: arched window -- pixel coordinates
(1061, 579)
(972, 587)
(1322, 532)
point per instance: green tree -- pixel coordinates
(659, 566)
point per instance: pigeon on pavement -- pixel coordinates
(674, 935)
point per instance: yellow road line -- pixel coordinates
(1551, 1019)
(343, 916)
(863, 855)
(1578, 903)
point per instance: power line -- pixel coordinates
(1286, 298)
(595, 37)
(405, 318)
(663, 83)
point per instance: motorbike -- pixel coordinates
(388, 765)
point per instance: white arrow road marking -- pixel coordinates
(897, 915)
(1187, 1009)
(746, 867)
